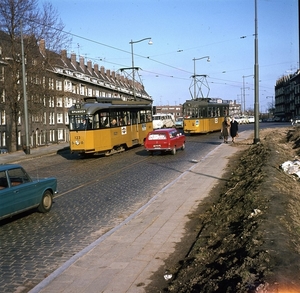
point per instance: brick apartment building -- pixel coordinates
(62, 82)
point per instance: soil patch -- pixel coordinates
(245, 236)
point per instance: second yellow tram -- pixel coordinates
(203, 116)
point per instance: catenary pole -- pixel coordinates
(256, 82)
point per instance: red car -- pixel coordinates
(165, 139)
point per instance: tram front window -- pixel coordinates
(80, 122)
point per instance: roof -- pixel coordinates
(164, 130)
(4, 167)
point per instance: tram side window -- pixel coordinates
(134, 118)
(123, 118)
(214, 112)
(104, 119)
(225, 111)
(148, 116)
(193, 113)
(200, 110)
(126, 117)
(188, 112)
(145, 116)
(142, 116)
(113, 119)
(96, 121)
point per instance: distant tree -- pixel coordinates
(37, 24)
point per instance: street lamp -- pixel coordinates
(194, 76)
(244, 96)
(132, 60)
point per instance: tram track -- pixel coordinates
(97, 180)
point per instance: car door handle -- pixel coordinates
(16, 191)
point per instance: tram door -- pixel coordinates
(134, 127)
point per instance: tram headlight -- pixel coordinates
(77, 142)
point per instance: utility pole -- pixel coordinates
(256, 82)
(27, 148)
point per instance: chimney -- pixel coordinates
(89, 66)
(96, 69)
(42, 47)
(113, 74)
(81, 61)
(63, 55)
(102, 70)
(73, 60)
(108, 73)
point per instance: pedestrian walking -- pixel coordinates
(225, 131)
(234, 128)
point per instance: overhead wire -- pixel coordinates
(148, 57)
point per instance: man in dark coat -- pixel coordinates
(234, 129)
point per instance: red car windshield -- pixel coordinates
(157, 136)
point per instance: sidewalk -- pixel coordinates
(19, 156)
(124, 259)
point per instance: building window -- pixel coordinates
(68, 102)
(2, 74)
(19, 138)
(51, 118)
(68, 86)
(35, 118)
(60, 118)
(59, 102)
(2, 118)
(51, 84)
(19, 118)
(3, 96)
(3, 138)
(59, 85)
(66, 118)
(51, 102)
(52, 135)
(82, 90)
(60, 134)
(74, 88)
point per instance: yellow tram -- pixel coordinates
(202, 115)
(107, 126)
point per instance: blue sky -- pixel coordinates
(184, 30)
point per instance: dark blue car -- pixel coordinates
(18, 192)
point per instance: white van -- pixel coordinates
(251, 119)
(163, 121)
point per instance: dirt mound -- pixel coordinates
(245, 237)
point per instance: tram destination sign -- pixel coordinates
(78, 111)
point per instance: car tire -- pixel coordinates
(46, 202)
(183, 146)
(173, 151)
